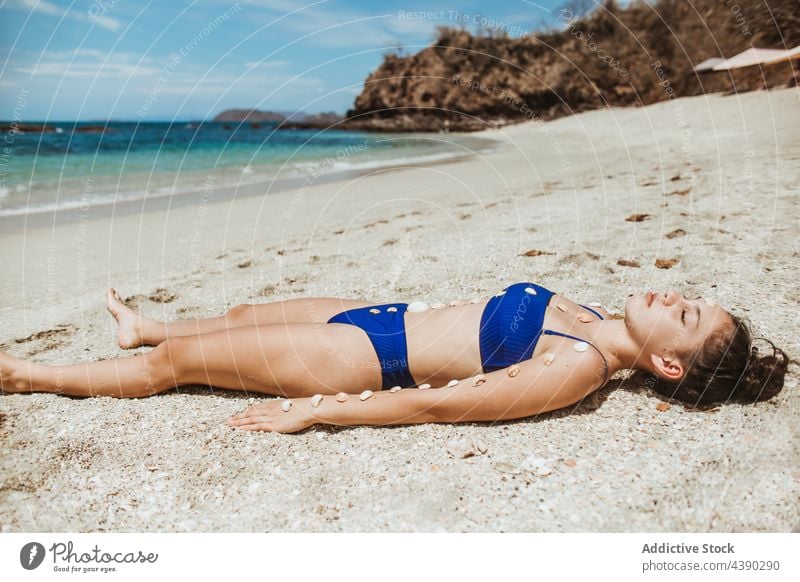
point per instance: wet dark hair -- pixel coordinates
(728, 368)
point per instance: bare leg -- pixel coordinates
(135, 330)
(298, 359)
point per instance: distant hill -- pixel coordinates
(252, 115)
(611, 57)
(292, 120)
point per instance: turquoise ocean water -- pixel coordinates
(79, 165)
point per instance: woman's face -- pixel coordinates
(665, 325)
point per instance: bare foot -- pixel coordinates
(10, 379)
(129, 335)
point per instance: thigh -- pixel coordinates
(293, 360)
(302, 310)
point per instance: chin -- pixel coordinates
(633, 304)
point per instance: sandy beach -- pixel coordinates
(718, 177)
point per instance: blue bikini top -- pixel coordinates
(512, 323)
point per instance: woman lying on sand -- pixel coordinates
(346, 362)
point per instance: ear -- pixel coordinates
(668, 366)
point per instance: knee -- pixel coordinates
(240, 312)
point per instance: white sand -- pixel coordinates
(169, 463)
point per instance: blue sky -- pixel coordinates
(182, 60)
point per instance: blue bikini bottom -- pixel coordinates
(387, 331)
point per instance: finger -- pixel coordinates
(246, 413)
(252, 426)
(240, 421)
(258, 426)
(253, 421)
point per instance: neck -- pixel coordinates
(611, 337)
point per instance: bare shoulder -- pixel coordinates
(599, 309)
(584, 371)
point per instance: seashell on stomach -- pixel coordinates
(395, 389)
(417, 306)
(316, 400)
(478, 380)
(452, 383)
(424, 386)
(513, 370)
(342, 396)
(286, 405)
(366, 394)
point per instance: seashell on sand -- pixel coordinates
(395, 389)
(548, 358)
(530, 290)
(417, 306)
(562, 307)
(366, 394)
(316, 400)
(584, 317)
(342, 396)
(286, 405)
(392, 309)
(594, 304)
(373, 310)
(580, 346)
(479, 379)
(452, 383)
(513, 370)
(424, 386)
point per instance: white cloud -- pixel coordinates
(88, 63)
(105, 21)
(42, 7)
(109, 69)
(268, 64)
(112, 73)
(50, 9)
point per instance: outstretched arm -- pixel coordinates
(534, 389)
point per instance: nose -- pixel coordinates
(670, 297)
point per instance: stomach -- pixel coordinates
(443, 344)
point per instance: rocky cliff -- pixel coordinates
(638, 55)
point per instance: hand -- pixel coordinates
(269, 416)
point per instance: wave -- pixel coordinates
(230, 177)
